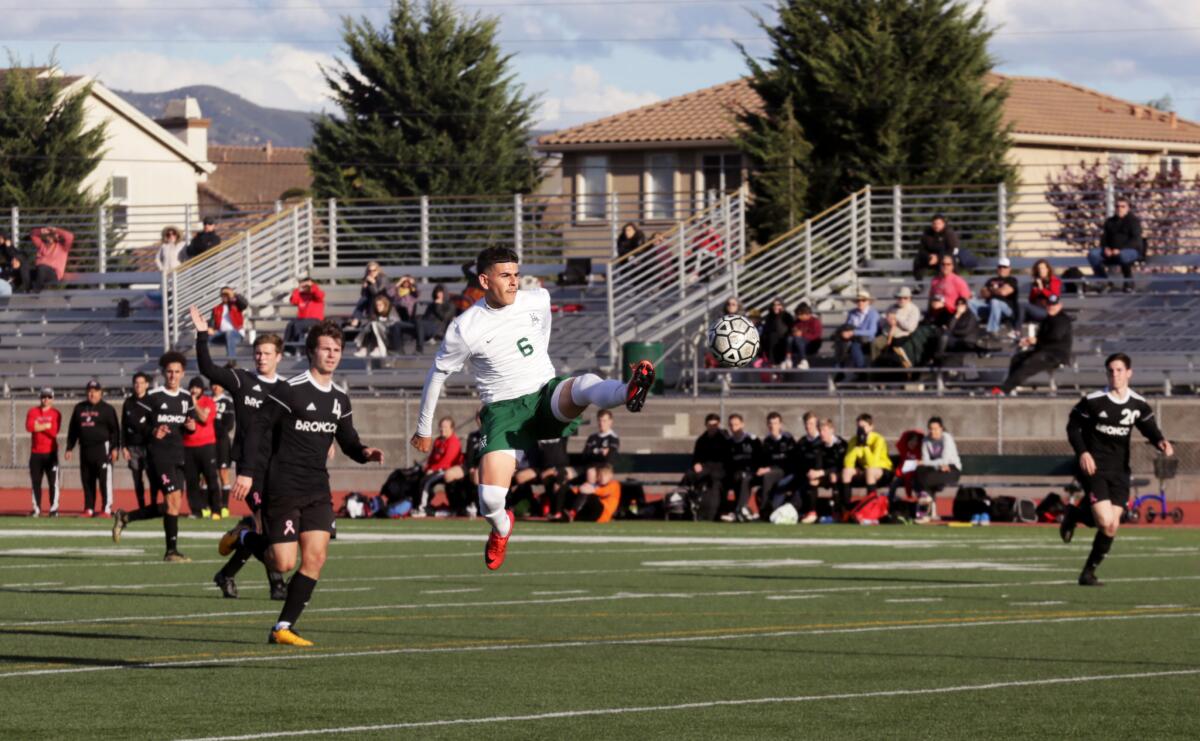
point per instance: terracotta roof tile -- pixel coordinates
(1035, 105)
(247, 175)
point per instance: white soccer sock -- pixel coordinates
(592, 389)
(491, 506)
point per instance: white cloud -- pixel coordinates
(582, 95)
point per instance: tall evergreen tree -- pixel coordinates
(885, 92)
(779, 177)
(428, 107)
(45, 151)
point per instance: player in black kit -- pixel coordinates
(224, 429)
(170, 410)
(774, 464)
(95, 427)
(1099, 429)
(135, 436)
(249, 391)
(296, 427)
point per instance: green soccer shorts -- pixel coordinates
(518, 424)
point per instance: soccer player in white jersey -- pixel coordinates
(505, 338)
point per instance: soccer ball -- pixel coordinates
(733, 340)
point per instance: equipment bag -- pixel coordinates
(1025, 511)
(1004, 509)
(870, 509)
(970, 501)
(1051, 508)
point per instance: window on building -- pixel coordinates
(660, 185)
(591, 185)
(120, 187)
(721, 173)
(1167, 165)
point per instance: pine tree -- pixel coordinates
(779, 178)
(45, 152)
(885, 92)
(428, 107)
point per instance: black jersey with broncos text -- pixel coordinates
(170, 409)
(743, 453)
(1101, 424)
(296, 426)
(777, 451)
(249, 392)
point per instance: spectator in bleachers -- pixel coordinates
(602, 446)
(940, 465)
(962, 334)
(403, 295)
(775, 329)
(374, 283)
(998, 299)
(866, 462)
(229, 319)
(805, 338)
(731, 306)
(1121, 244)
(1047, 350)
(949, 284)
(629, 239)
(743, 455)
(908, 454)
(900, 321)
(472, 292)
(710, 460)
(1045, 284)
(441, 467)
(15, 269)
(774, 462)
(170, 250)
(599, 501)
(825, 461)
(53, 246)
(939, 241)
(374, 337)
(309, 300)
(204, 240)
(852, 343)
(438, 314)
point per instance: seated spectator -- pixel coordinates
(53, 246)
(856, 335)
(773, 471)
(204, 240)
(463, 480)
(908, 455)
(940, 465)
(228, 319)
(1045, 284)
(962, 334)
(15, 269)
(554, 474)
(920, 348)
(597, 502)
(171, 251)
(472, 292)
(710, 458)
(998, 299)
(706, 253)
(403, 295)
(866, 463)
(949, 285)
(443, 466)
(731, 306)
(939, 241)
(823, 460)
(804, 341)
(438, 314)
(629, 239)
(309, 300)
(374, 283)
(1121, 244)
(374, 337)
(774, 331)
(1050, 348)
(739, 475)
(901, 320)
(602, 446)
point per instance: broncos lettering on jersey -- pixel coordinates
(1101, 424)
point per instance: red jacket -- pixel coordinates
(206, 432)
(52, 254)
(46, 441)
(235, 316)
(1041, 295)
(310, 304)
(447, 452)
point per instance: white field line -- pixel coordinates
(554, 592)
(300, 656)
(1048, 602)
(561, 714)
(619, 596)
(914, 599)
(794, 596)
(451, 591)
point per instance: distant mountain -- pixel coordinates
(235, 120)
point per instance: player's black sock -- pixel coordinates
(1100, 548)
(148, 512)
(274, 579)
(256, 544)
(171, 528)
(1084, 515)
(300, 591)
(236, 562)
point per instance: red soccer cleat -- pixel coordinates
(493, 552)
(639, 385)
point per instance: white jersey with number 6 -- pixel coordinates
(507, 349)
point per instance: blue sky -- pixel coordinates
(585, 58)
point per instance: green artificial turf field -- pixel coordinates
(632, 630)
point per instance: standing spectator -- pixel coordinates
(438, 315)
(1049, 349)
(309, 300)
(805, 339)
(774, 462)
(200, 448)
(1045, 284)
(862, 324)
(939, 241)
(940, 465)
(776, 328)
(825, 460)
(998, 299)
(866, 461)
(1121, 244)
(373, 339)
(95, 427)
(223, 427)
(53, 246)
(743, 454)
(446, 455)
(204, 240)
(710, 459)
(135, 436)
(43, 422)
(629, 239)
(15, 270)
(228, 317)
(170, 250)
(949, 285)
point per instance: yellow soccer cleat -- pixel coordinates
(230, 540)
(286, 637)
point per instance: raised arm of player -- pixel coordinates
(451, 357)
(210, 370)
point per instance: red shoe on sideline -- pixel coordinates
(494, 551)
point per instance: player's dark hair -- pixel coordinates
(490, 256)
(936, 419)
(864, 417)
(171, 356)
(604, 413)
(712, 417)
(144, 376)
(774, 415)
(736, 416)
(324, 328)
(1119, 356)
(270, 339)
(807, 416)
(938, 217)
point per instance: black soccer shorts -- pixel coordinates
(285, 517)
(167, 478)
(224, 452)
(1106, 486)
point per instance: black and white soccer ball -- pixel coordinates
(733, 341)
